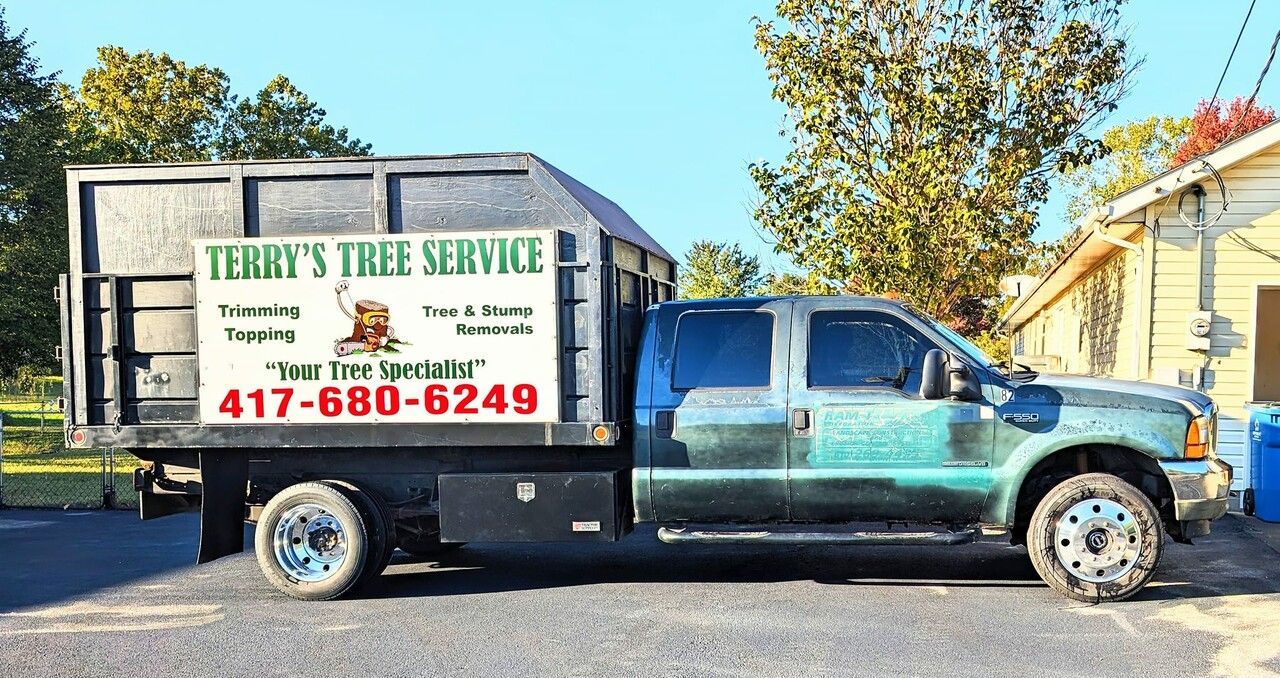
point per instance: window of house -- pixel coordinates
(723, 349)
(864, 349)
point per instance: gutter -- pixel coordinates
(1100, 218)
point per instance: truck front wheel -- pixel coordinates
(312, 542)
(1095, 538)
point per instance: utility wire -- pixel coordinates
(1213, 102)
(1201, 225)
(1256, 86)
(1232, 55)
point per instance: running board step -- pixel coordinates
(693, 535)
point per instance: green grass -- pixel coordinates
(40, 472)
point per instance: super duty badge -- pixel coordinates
(1021, 417)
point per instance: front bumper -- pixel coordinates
(1200, 488)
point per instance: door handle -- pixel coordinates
(664, 423)
(802, 421)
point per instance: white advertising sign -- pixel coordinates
(446, 327)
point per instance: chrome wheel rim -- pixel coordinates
(310, 543)
(1098, 540)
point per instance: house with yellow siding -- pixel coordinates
(1175, 281)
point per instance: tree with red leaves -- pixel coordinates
(1210, 127)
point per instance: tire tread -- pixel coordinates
(1041, 535)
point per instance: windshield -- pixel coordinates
(960, 342)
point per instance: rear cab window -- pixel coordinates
(723, 349)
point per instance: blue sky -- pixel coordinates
(658, 105)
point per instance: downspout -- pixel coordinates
(1100, 217)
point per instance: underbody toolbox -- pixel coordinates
(577, 506)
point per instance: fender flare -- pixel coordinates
(1002, 505)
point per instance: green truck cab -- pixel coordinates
(793, 419)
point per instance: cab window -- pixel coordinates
(864, 349)
(723, 349)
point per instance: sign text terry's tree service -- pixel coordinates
(446, 327)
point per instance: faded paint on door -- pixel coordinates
(718, 418)
(872, 448)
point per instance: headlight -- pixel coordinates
(1198, 434)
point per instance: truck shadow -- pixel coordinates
(1213, 568)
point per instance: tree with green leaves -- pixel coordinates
(147, 107)
(924, 135)
(130, 107)
(714, 269)
(283, 122)
(1136, 151)
(787, 284)
(33, 222)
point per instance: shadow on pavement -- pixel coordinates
(1227, 563)
(49, 555)
(641, 559)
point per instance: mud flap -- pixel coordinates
(1183, 531)
(224, 475)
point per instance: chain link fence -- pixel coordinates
(38, 471)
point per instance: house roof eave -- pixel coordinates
(1122, 207)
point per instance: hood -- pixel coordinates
(1196, 402)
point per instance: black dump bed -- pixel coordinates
(413, 301)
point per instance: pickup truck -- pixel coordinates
(364, 355)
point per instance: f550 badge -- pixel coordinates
(1021, 417)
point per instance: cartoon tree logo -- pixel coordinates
(372, 331)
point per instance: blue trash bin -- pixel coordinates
(1263, 495)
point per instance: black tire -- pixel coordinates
(1249, 504)
(1128, 527)
(354, 532)
(382, 529)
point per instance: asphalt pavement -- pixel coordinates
(101, 593)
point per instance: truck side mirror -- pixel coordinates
(963, 384)
(934, 382)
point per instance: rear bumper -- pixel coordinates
(1200, 488)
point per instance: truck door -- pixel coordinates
(718, 420)
(863, 444)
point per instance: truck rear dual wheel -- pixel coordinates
(1095, 538)
(382, 526)
(320, 540)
